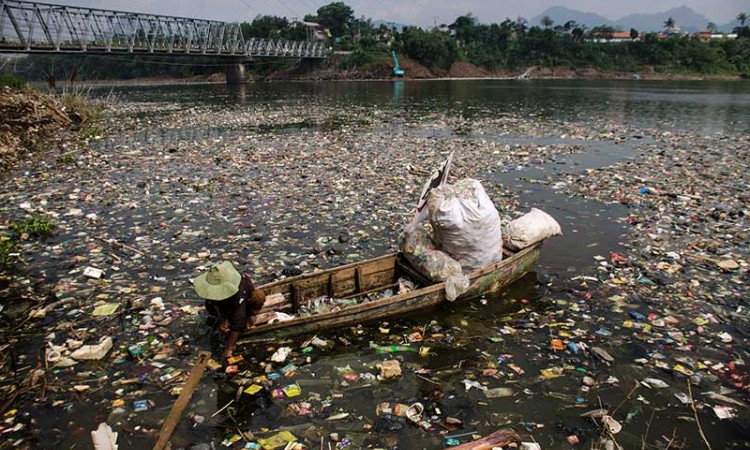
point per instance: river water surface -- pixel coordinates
(546, 409)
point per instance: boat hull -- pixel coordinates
(354, 277)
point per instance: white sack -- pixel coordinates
(104, 438)
(466, 224)
(529, 229)
(420, 251)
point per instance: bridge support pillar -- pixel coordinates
(236, 74)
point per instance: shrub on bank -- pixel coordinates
(12, 81)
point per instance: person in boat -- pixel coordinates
(232, 300)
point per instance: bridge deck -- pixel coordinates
(33, 27)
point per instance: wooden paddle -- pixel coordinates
(182, 401)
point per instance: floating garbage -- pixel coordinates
(104, 438)
(389, 369)
(175, 186)
(94, 351)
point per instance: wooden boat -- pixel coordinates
(368, 277)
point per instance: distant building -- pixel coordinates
(315, 31)
(611, 36)
(708, 36)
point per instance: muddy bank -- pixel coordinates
(28, 120)
(463, 69)
(331, 71)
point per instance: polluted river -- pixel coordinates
(631, 332)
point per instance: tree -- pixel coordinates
(464, 27)
(578, 33)
(711, 27)
(742, 17)
(264, 27)
(521, 25)
(634, 34)
(337, 17)
(603, 32)
(434, 49)
(547, 21)
(670, 23)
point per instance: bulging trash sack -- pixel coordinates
(422, 254)
(466, 224)
(529, 229)
(419, 249)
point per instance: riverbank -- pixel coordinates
(34, 123)
(29, 123)
(465, 70)
(415, 71)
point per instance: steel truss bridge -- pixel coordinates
(33, 27)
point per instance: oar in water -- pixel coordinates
(182, 401)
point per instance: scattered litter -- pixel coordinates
(106, 309)
(281, 354)
(93, 272)
(389, 369)
(94, 351)
(161, 197)
(104, 438)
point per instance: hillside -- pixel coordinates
(685, 17)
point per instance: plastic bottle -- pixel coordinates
(393, 349)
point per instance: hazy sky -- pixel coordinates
(419, 12)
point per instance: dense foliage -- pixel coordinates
(508, 45)
(512, 45)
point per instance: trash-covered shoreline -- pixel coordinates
(284, 188)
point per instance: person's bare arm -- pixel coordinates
(231, 343)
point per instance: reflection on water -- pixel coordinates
(710, 106)
(398, 90)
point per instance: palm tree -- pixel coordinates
(547, 21)
(570, 25)
(669, 24)
(742, 17)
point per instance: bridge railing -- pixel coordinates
(41, 27)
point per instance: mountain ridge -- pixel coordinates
(685, 18)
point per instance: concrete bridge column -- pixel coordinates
(236, 74)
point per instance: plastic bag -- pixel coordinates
(529, 229)
(104, 438)
(420, 251)
(455, 286)
(466, 224)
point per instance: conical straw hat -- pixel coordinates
(220, 282)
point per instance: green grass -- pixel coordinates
(79, 103)
(7, 248)
(35, 227)
(91, 132)
(11, 81)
